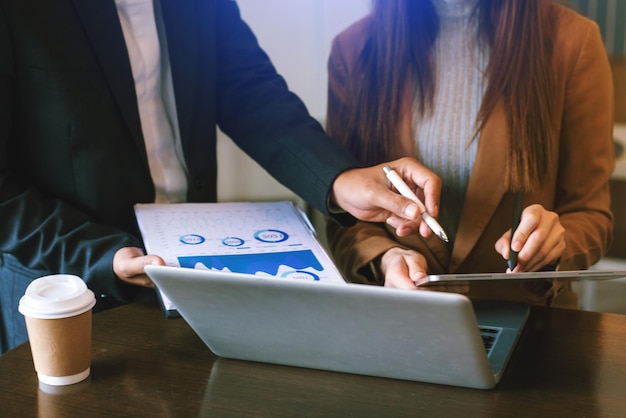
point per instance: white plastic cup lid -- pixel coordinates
(56, 296)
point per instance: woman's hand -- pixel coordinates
(403, 269)
(539, 240)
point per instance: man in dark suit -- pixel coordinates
(76, 150)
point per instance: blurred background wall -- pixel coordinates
(297, 35)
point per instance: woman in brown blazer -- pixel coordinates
(497, 98)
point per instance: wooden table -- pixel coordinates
(567, 364)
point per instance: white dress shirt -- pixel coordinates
(155, 98)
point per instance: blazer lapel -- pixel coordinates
(486, 188)
(101, 23)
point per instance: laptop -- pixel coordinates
(422, 336)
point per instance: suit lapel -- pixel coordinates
(101, 23)
(486, 186)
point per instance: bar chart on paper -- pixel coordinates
(263, 238)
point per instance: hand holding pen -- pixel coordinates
(405, 191)
(365, 194)
(536, 240)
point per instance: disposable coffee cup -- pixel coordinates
(58, 313)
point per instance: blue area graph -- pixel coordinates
(254, 263)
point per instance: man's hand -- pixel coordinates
(128, 264)
(367, 195)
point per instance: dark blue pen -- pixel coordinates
(517, 215)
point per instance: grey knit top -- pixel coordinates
(443, 138)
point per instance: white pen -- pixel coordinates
(405, 191)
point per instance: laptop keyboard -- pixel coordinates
(490, 337)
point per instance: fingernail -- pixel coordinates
(411, 212)
(392, 222)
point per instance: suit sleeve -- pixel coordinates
(43, 233)
(270, 123)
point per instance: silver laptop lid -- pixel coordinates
(415, 335)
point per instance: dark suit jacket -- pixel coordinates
(72, 156)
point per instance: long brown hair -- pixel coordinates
(519, 34)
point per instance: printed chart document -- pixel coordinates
(265, 238)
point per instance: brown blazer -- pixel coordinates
(578, 191)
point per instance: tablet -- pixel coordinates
(603, 274)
